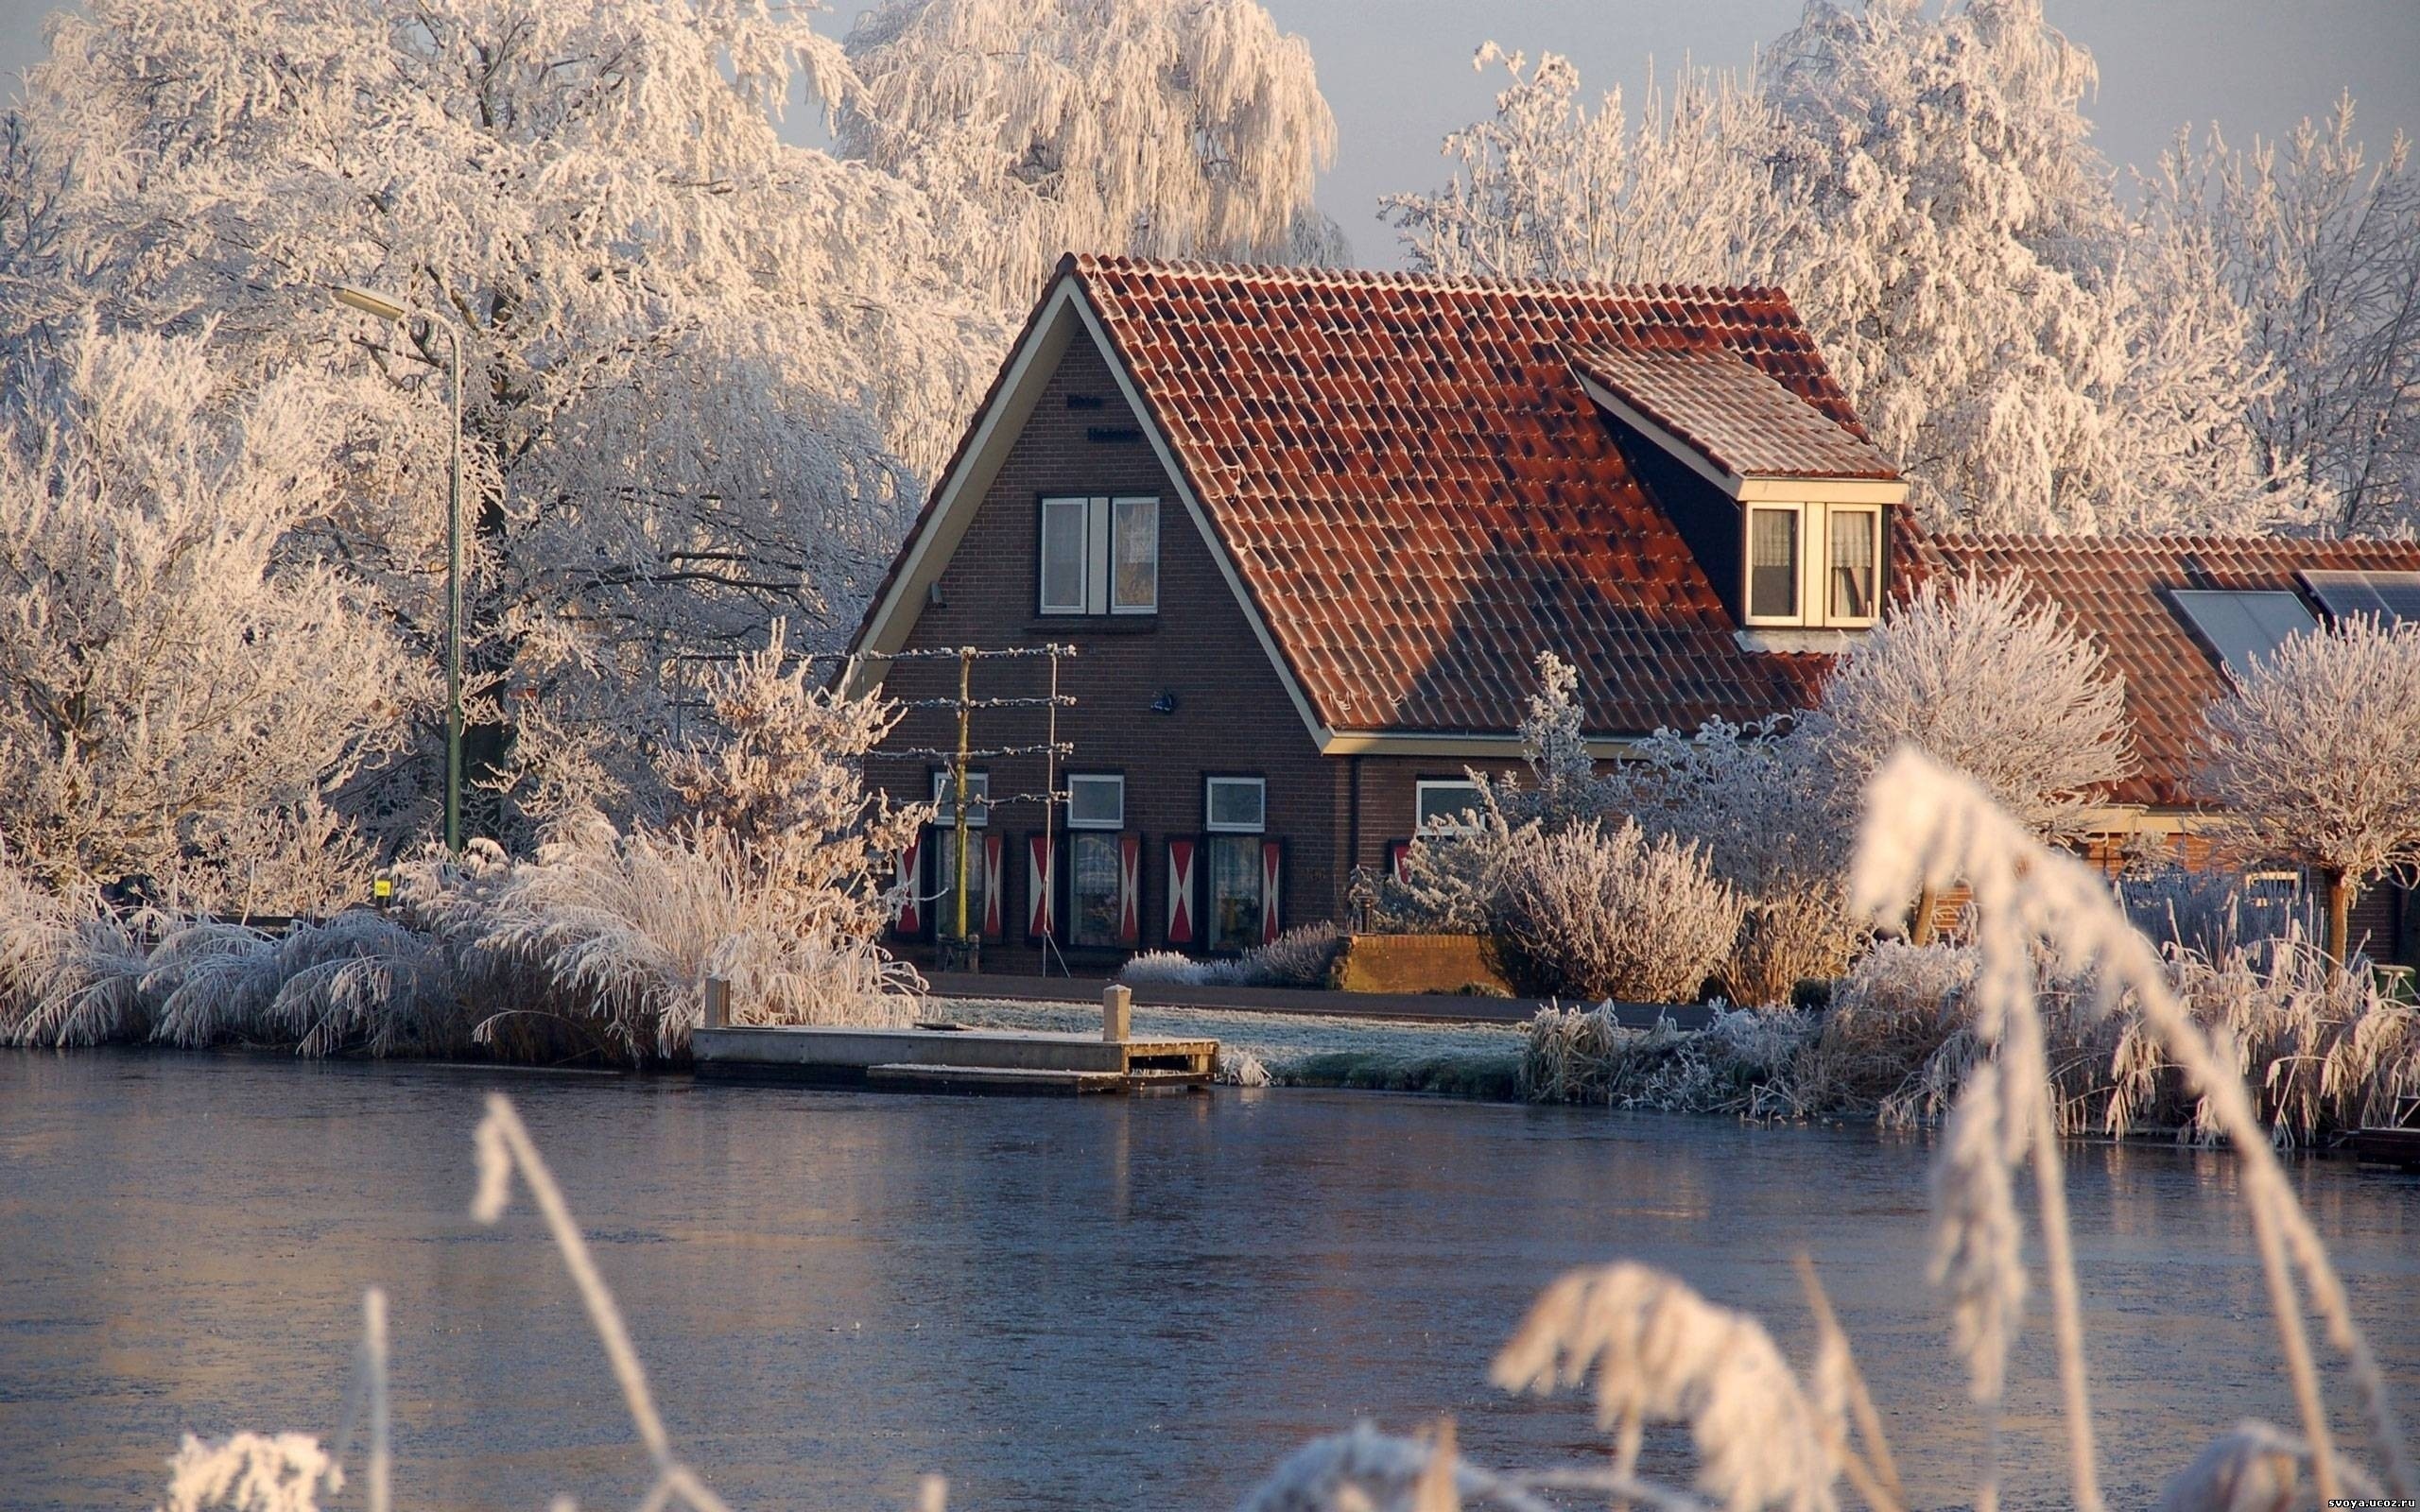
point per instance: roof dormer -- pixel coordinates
(1800, 549)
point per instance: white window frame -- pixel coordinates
(1822, 603)
(1748, 562)
(1111, 556)
(1420, 804)
(1116, 821)
(1210, 808)
(1097, 569)
(979, 799)
(1813, 521)
(1042, 558)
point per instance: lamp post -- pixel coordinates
(393, 310)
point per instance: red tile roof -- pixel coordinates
(1743, 421)
(2111, 586)
(1418, 496)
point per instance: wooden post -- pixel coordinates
(718, 1003)
(1117, 1013)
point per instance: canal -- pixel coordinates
(1108, 1303)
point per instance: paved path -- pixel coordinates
(1407, 1007)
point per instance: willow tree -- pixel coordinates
(1161, 127)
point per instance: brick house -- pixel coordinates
(1307, 530)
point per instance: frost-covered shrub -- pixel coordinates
(1744, 1061)
(1300, 957)
(1162, 966)
(1598, 913)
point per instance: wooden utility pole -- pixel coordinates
(963, 950)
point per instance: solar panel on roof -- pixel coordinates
(2390, 598)
(2244, 626)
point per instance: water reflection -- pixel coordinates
(1103, 1304)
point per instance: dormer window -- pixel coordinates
(1854, 573)
(1773, 564)
(1814, 564)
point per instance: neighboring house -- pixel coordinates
(1307, 531)
(2176, 617)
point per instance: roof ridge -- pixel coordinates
(2141, 540)
(1408, 278)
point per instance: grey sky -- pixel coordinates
(1398, 72)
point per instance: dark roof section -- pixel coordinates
(2117, 587)
(1419, 495)
(1732, 414)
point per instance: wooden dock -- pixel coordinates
(950, 1057)
(2397, 1144)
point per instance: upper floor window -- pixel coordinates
(1099, 555)
(1816, 564)
(1772, 563)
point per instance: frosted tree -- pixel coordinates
(1162, 127)
(1549, 189)
(1976, 288)
(703, 363)
(1982, 678)
(2312, 754)
(1922, 185)
(171, 661)
(2319, 243)
(1764, 802)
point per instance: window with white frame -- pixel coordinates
(1096, 913)
(1095, 802)
(1813, 565)
(1853, 572)
(1234, 805)
(1772, 563)
(979, 799)
(1099, 554)
(1448, 804)
(1235, 809)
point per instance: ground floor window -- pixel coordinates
(944, 890)
(1096, 892)
(1449, 804)
(1232, 906)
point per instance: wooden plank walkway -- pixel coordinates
(1408, 1008)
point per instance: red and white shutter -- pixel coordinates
(1272, 857)
(1130, 890)
(1039, 877)
(994, 846)
(911, 920)
(1181, 859)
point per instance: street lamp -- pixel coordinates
(387, 307)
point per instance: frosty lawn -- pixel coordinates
(1294, 1050)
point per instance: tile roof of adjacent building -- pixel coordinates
(1419, 495)
(1733, 414)
(2116, 589)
